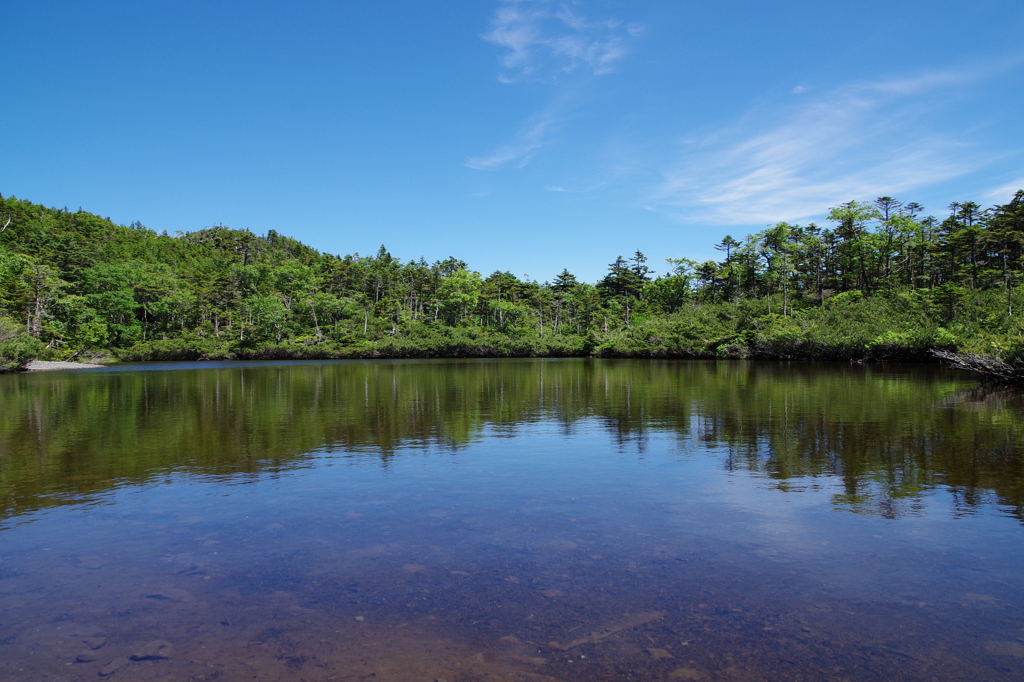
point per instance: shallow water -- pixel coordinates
(510, 520)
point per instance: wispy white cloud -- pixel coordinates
(856, 141)
(1004, 193)
(530, 138)
(544, 38)
(584, 189)
(550, 42)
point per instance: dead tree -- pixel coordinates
(991, 368)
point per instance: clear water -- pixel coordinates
(510, 520)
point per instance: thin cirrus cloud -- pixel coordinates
(520, 151)
(545, 38)
(853, 142)
(549, 42)
(1004, 193)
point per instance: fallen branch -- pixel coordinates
(991, 368)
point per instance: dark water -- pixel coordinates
(510, 520)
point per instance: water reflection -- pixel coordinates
(887, 434)
(510, 521)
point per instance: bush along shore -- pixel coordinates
(882, 281)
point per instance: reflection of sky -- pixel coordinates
(802, 527)
(544, 503)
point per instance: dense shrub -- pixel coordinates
(17, 347)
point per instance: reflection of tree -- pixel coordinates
(886, 436)
(888, 439)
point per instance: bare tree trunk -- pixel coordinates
(36, 323)
(316, 325)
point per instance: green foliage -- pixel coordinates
(17, 347)
(188, 346)
(845, 297)
(884, 283)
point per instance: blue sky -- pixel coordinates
(520, 135)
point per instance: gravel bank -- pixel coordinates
(41, 365)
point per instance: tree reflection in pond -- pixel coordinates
(888, 433)
(506, 521)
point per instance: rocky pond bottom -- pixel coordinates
(509, 521)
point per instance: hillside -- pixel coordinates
(882, 283)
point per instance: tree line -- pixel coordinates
(73, 283)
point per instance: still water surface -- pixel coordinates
(509, 521)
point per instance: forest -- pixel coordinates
(882, 281)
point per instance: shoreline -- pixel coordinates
(48, 365)
(984, 368)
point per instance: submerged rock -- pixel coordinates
(1015, 649)
(155, 650)
(170, 594)
(113, 666)
(95, 642)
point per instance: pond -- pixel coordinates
(510, 520)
